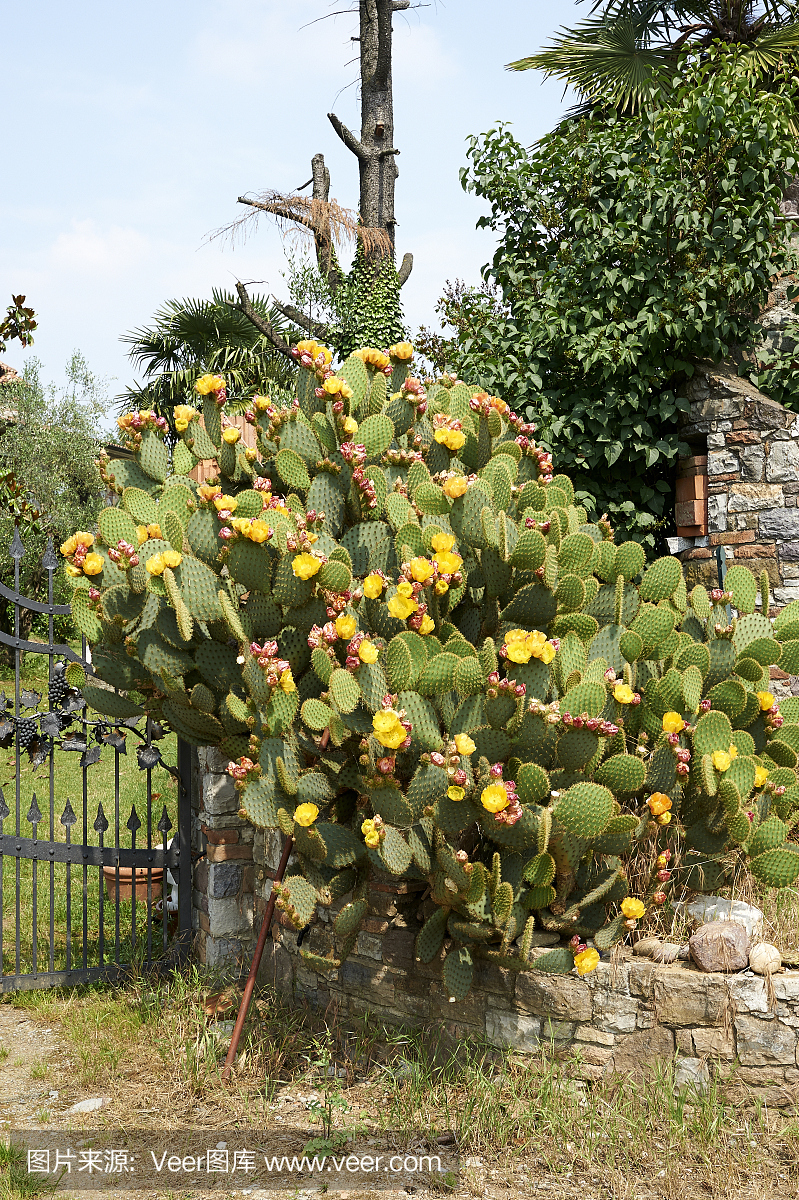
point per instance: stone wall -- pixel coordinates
(752, 449)
(628, 1014)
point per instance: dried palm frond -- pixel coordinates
(301, 216)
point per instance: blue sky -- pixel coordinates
(137, 126)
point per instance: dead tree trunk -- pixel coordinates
(369, 295)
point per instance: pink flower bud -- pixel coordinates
(225, 533)
(496, 771)
(493, 678)
(682, 768)
(659, 898)
(663, 876)
(437, 758)
(459, 778)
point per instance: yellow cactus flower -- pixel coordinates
(765, 700)
(623, 693)
(154, 531)
(172, 559)
(586, 961)
(372, 586)
(367, 651)
(286, 681)
(632, 908)
(547, 653)
(367, 826)
(231, 435)
(453, 439)
(305, 565)
(346, 626)
(442, 542)
(404, 588)
(258, 531)
(306, 814)
(80, 538)
(372, 839)
(721, 760)
(401, 351)
(761, 775)
(350, 426)
(141, 534)
(441, 588)
(184, 414)
(69, 547)
(209, 383)
(673, 723)
(464, 744)
(421, 569)
(494, 798)
(226, 502)
(455, 486)
(92, 564)
(427, 625)
(332, 386)
(659, 803)
(261, 403)
(207, 491)
(733, 751)
(456, 793)
(448, 563)
(401, 606)
(519, 649)
(156, 565)
(72, 570)
(389, 730)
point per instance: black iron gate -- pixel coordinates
(86, 890)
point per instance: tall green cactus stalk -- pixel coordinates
(422, 660)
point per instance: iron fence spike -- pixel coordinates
(49, 559)
(100, 823)
(68, 815)
(17, 549)
(133, 821)
(164, 825)
(34, 812)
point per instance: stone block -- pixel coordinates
(512, 1029)
(779, 526)
(755, 497)
(642, 979)
(369, 946)
(228, 853)
(743, 437)
(498, 980)
(714, 1043)
(200, 876)
(398, 948)
(752, 462)
(691, 1075)
(721, 461)
(690, 998)
(717, 513)
(756, 551)
(218, 795)
(230, 916)
(367, 982)
(223, 952)
(764, 1043)
(734, 537)
(685, 1043)
(783, 462)
(472, 1010)
(716, 444)
(614, 1012)
(556, 996)
(276, 969)
(786, 986)
(225, 880)
(749, 993)
(789, 551)
(636, 1051)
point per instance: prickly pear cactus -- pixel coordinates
(423, 661)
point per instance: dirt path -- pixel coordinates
(25, 1048)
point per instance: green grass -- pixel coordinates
(59, 927)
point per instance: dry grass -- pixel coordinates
(523, 1126)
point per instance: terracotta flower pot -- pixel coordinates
(125, 889)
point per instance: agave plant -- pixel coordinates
(421, 660)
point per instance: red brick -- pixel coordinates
(746, 437)
(699, 552)
(756, 552)
(734, 477)
(225, 853)
(695, 463)
(691, 487)
(732, 539)
(688, 531)
(691, 512)
(219, 837)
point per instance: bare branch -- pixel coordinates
(349, 139)
(260, 323)
(405, 268)
(399, 5)
(303, 320)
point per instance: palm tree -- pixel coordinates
(188, 338)
(617, 55)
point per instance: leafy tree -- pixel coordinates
(49, 483)
(628, 249)
(616, 57)
(187, 338)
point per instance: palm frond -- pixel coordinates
(604, 63)
(772, 47)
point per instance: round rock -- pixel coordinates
(720, 946)
(765, 958)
